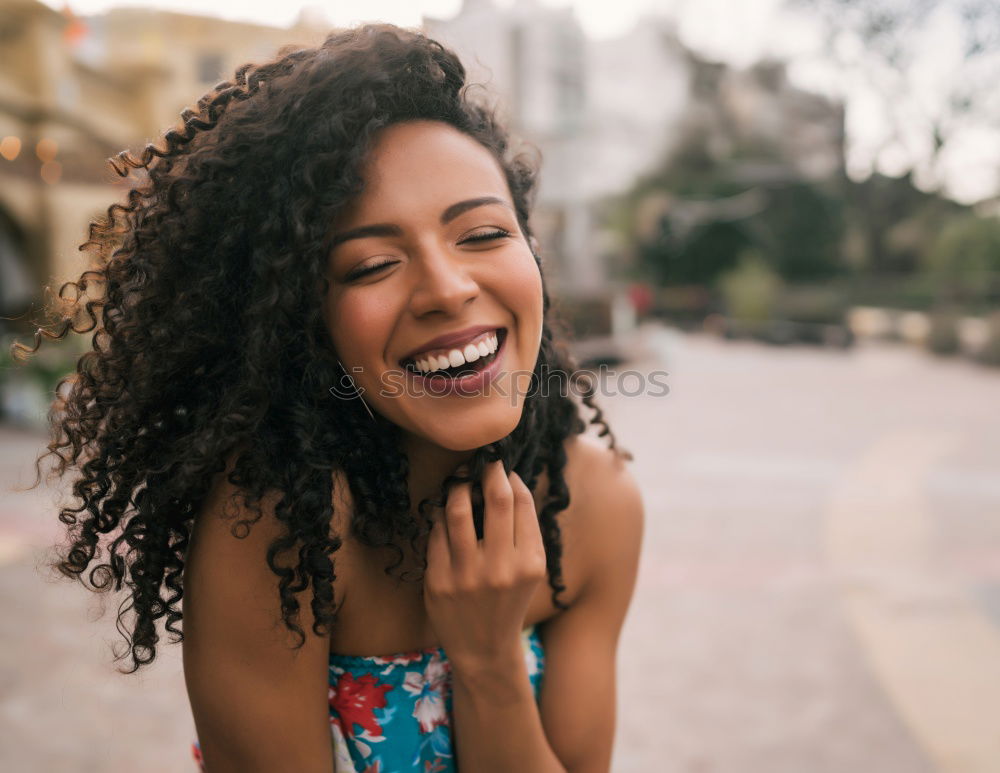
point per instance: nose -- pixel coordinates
(445, 283)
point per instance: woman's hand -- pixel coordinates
(477, 592)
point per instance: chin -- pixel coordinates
(474, 432)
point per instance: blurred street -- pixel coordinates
(819, 589)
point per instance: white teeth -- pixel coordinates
(456, 357)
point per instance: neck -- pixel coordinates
(430, 464)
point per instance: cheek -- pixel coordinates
(358, 327)
(522, 285)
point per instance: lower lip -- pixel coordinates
(470, 384)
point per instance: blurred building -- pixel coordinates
(74, 92)
(193, 53)
(782, 131)
(59, 119)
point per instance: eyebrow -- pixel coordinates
(390, 229)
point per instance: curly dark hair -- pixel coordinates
(209, 342)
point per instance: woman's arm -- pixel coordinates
(258, 704)
(578, 699)
(497, 724)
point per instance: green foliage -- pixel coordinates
(894, 222)
(751, 290)
(799, 228)
(45, 368)
(695, 258)
(804, 225)
(918, 292)
(813, 303)
(963, 263)
(966, 249)
(712, 209)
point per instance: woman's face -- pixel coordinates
(448, 255)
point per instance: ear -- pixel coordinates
(536, 248)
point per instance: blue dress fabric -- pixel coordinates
(391, 713)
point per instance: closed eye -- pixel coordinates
(483, 237)
(368, 270)
(498, 234)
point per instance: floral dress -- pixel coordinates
(391, 713)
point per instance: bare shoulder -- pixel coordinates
(607, 502)
(578, 697)
(220, 512)
(258, 700)
(601, 529)
(588, 455)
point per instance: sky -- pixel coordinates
(599, 18)
(738, 32)
(738, 29)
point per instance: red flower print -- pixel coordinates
(376, 768)
(355, 700)
(433, 767)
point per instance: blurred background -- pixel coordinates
(789, 209)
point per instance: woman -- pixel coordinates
(322, 306)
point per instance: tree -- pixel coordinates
(878, 45)
(965, 258)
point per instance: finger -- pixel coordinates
(462, 542)
(438, 559)
(527, 532)
(498, 497)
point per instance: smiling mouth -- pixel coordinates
(463, 368)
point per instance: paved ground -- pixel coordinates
(819, 590)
